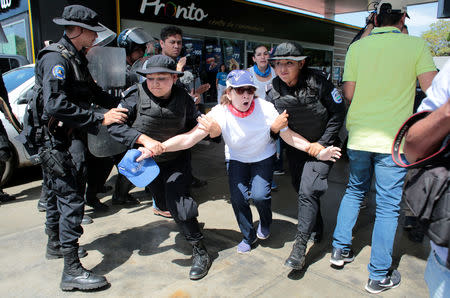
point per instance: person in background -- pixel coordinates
(263, 74)
(171, 45)
(221, 78)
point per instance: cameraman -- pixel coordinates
(435, 129)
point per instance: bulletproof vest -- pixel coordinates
(79, 89)
(307, 115)
(35, 132)
(161, 123)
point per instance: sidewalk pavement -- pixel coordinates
(143, 255)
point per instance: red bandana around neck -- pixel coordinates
(240, 114)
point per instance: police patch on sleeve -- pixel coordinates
(59, 72)
(336, 96)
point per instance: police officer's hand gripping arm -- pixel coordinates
(57, 104)
(280, 125)
(332, 101)
(127, 135)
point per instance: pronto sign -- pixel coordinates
(229, 16)
(171, 9)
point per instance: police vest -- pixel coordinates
(35, 131)
(307, 115)
(161, 123)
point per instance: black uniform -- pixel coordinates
(68, 90)
(316, 112)
(162, 119)
(5, 150)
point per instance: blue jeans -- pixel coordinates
(437, 276)
(389, 182)
(251, 180)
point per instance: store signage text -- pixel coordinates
(171, 9)
(5, 4)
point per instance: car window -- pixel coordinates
(17, 77)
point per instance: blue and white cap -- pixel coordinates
(139, 173)
(240, 78)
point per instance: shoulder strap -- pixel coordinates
(65, 53)
(401, 134)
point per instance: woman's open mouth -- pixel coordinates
(245, 103)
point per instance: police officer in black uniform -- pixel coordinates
(67, 91)
(316, 111)
(158, 109)
(134, 41)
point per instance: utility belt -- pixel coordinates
(54, 156)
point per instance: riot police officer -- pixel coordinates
(316, 111)
(134, 41)
(158, 109)
(65, 90)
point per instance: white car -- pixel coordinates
(19, 82)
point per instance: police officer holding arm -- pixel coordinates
(159, 109)
(65, 92)
(316, 111)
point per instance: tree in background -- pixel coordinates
(438, 38)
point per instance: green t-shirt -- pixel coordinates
(384, 66)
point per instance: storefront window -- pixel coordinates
(233, 53)
(320, 59)
(17, 39)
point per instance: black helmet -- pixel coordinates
(130, 38)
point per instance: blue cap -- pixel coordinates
(139, 173)
(240, 78)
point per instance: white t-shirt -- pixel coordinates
(248, 138)
(439, 92)
(261, 90)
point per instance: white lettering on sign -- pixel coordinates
(6, 4)
(189, 13)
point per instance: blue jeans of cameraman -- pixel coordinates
(251, 181)
(389, 182)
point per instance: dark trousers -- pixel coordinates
(98, 170)
(172, 187)
(251, 180)
(65, 205)
(310, 179)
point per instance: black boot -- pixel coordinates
(42, 204)
(76, 277)
(296, 259)
(201, 261)
(54, 247)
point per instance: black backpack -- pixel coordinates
(426, 189)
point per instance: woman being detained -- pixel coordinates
(249, 127)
